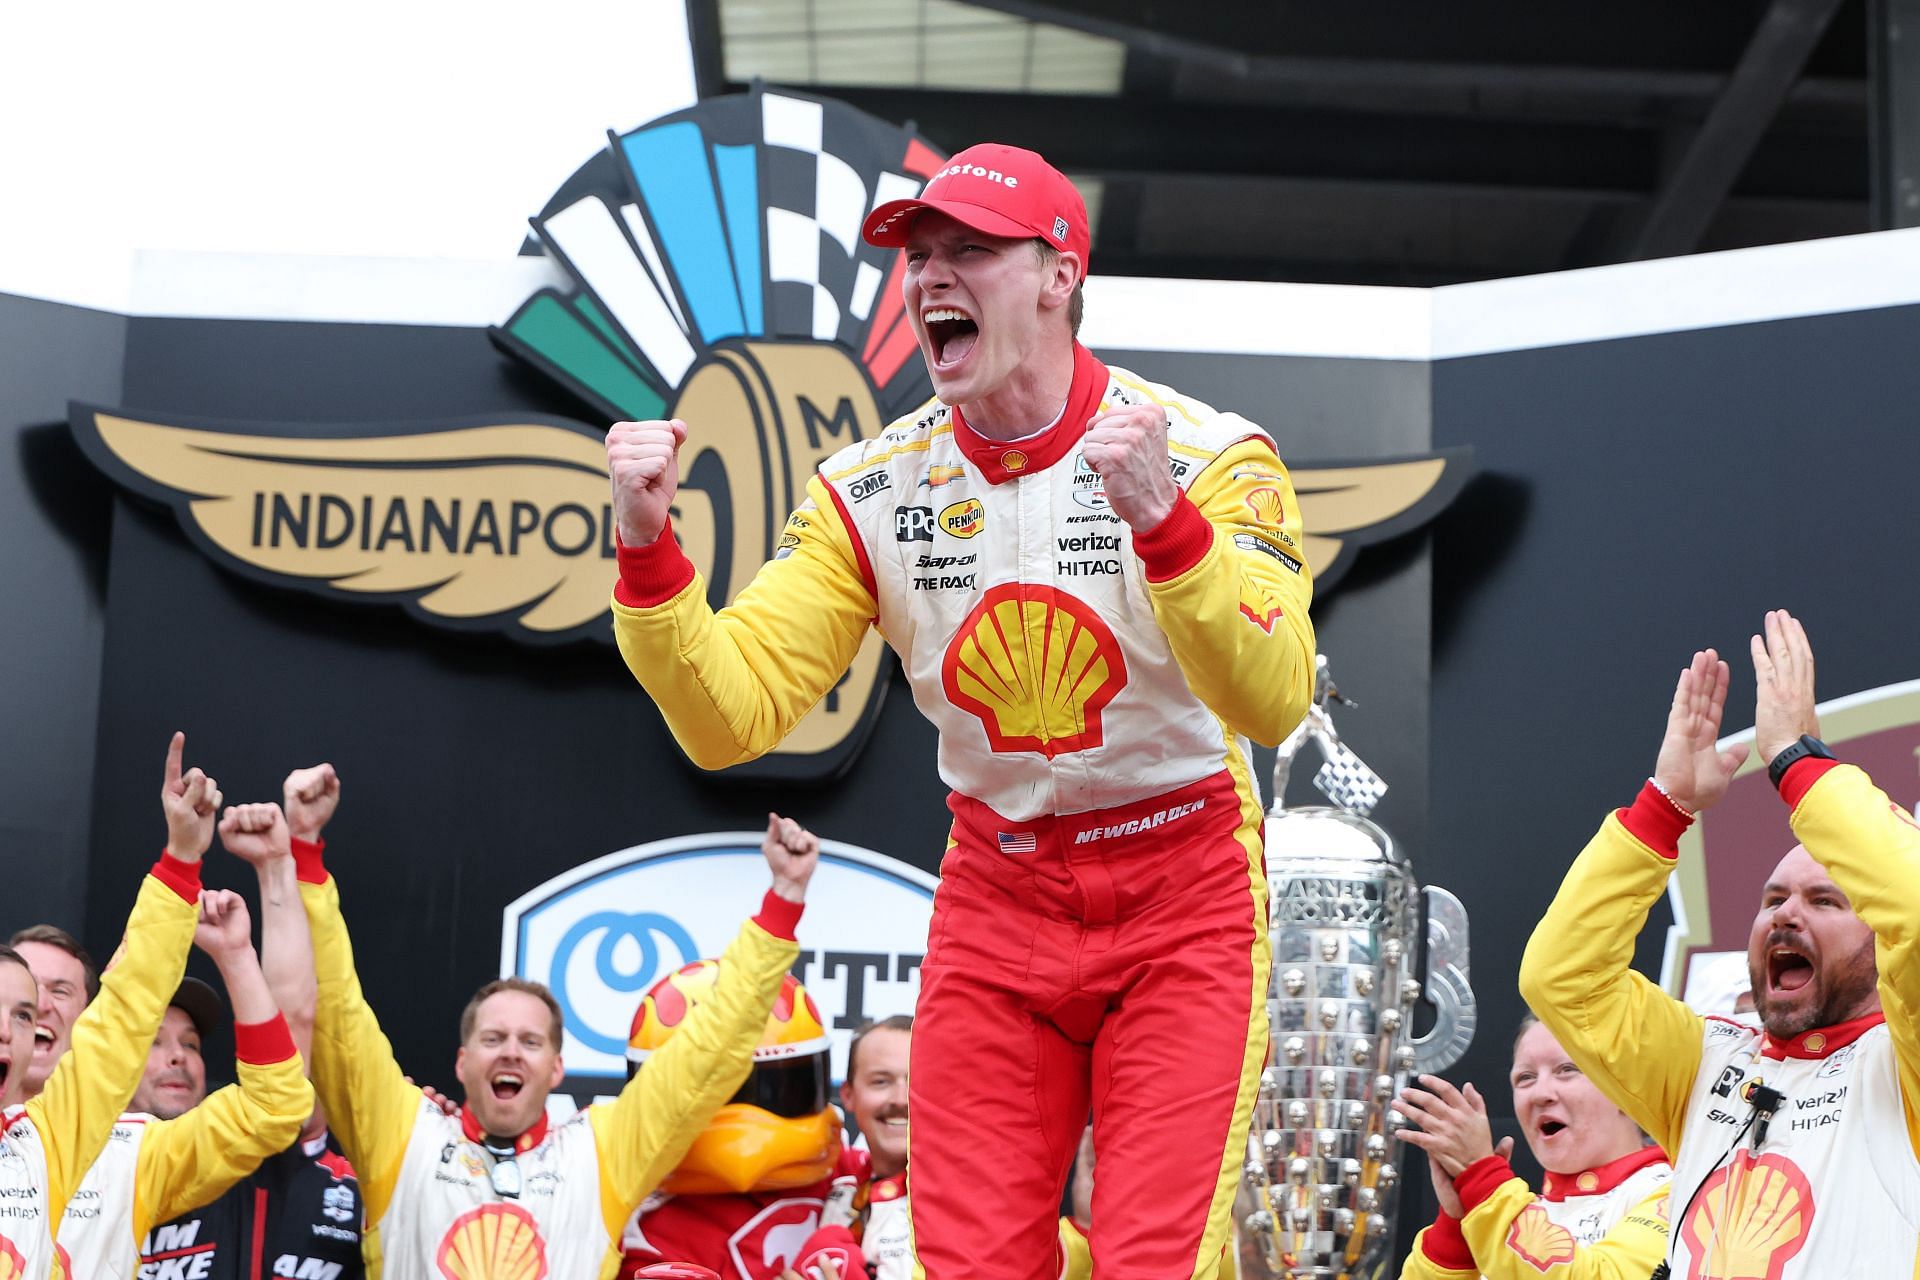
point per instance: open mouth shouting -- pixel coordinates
(506, 1086)
(951, 333)
(1789, 970)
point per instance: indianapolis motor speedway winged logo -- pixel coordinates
(715, 272)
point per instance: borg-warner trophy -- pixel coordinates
(1323, 1169)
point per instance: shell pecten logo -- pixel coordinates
(1037, 666)
(1539, 1241)
(497, 1241)
(1759, 1232)
(12, 1265)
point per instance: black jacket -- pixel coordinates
(298, 1217)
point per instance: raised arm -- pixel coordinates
(261, 835)
(1577, 973)
(733, 684)
(188, 1161)
(1223, 568)
(85, 1094)
(1866, 842)
(659, 1113)
(371, 1105)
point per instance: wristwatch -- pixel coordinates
(1801, 750)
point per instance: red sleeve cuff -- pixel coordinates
(653, 574)
(262, 1044)
(1176, 544)
(308, 864)
(181, 877)
(1445, 1245)
(1481, 1179)
(1655, 821)
(1800, 777)
(778, 916)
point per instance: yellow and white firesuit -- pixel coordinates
(153, 1170)
(433, 1212)
(1832, 1186)
(49, 1143)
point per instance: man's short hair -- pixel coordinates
(898, 1022)
(1077, 306)
(9, 956)
(471, 1014)
(52, 935)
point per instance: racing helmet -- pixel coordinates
(776, 1131)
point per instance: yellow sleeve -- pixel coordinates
(192, 1159)
(1513, 1239)
(732, 684)
(96, 1077)
(1236, 616)
(644, 1132)
(1871, 848)
(1577, 975)
(370, 1106)
(1076, 1259)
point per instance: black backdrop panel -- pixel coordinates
(1642, 498)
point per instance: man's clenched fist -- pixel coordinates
(643, 460)
(1128, 447)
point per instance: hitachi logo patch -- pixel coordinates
(1138, 825)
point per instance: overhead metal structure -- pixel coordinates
(1397, 142)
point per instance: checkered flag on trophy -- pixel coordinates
(1347, 780)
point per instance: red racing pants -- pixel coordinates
(1114, 960)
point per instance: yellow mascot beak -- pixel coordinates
(746, 1149)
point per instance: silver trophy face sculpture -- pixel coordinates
(1324, 1158)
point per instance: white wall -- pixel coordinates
(388, 128)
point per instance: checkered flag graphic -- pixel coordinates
(1346, 779)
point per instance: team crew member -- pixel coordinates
(52, 1140)
(1604, 1211)
(1793, 1141)
(173, 1151)
(875, 1097)
(750, 1189)
(299, 1213)
(495, 1192)
(1094, 586)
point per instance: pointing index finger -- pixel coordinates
(176, 748)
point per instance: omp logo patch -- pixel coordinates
(866, 486)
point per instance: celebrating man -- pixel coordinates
(494, 1191)
(1793, 1143)
(1095, 587)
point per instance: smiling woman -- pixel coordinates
(1605, 1188)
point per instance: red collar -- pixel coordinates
(1599, 1181)
(881, 1190)
(521, 1145)
(1000, 461)
(1820, 1041)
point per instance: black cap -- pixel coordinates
(201, 1003)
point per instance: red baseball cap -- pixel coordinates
(1001, 190)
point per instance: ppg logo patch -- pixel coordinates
(913, 524)
(601, 934)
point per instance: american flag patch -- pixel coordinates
(1017, 842)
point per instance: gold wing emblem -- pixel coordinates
(1345, 506)
(501, 524)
